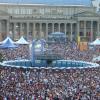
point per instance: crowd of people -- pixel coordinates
(49, 84)
(21, 52)
(67, 51)
(43, 84)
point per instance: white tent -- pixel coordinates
(96, 42)
(6, 39)
(21, 41)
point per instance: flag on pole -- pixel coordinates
(78, 39)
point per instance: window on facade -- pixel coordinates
(20, 11)
(16, 11)
(81, 24)
(26, 11)
(42, 11)
(10, 11)
(23, 11)
(60, 11)
(34, 10)
(47, 10)
(29, 11)
(53, 10)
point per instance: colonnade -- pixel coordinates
(42, 30)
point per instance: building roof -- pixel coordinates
(50, 2)
(86, 14)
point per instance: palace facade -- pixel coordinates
(40, 20)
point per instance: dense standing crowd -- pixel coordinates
(22, 51)
(67, 51)
(49, 84)
(67, 84)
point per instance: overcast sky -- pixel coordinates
(62, 2)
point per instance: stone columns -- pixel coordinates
(40, 32)
(65, 27)
(84, 28)
(0, 27)
(98, 28)
(21, 30)
(71, 36)
(59, 27)
(46, 30)
(13, 34)
(52, 27)
(0, 31)
(7, 28)
(78, 28)
(27, 31)
(34, 32)
(91, 30)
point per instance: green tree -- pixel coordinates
(1, 57)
